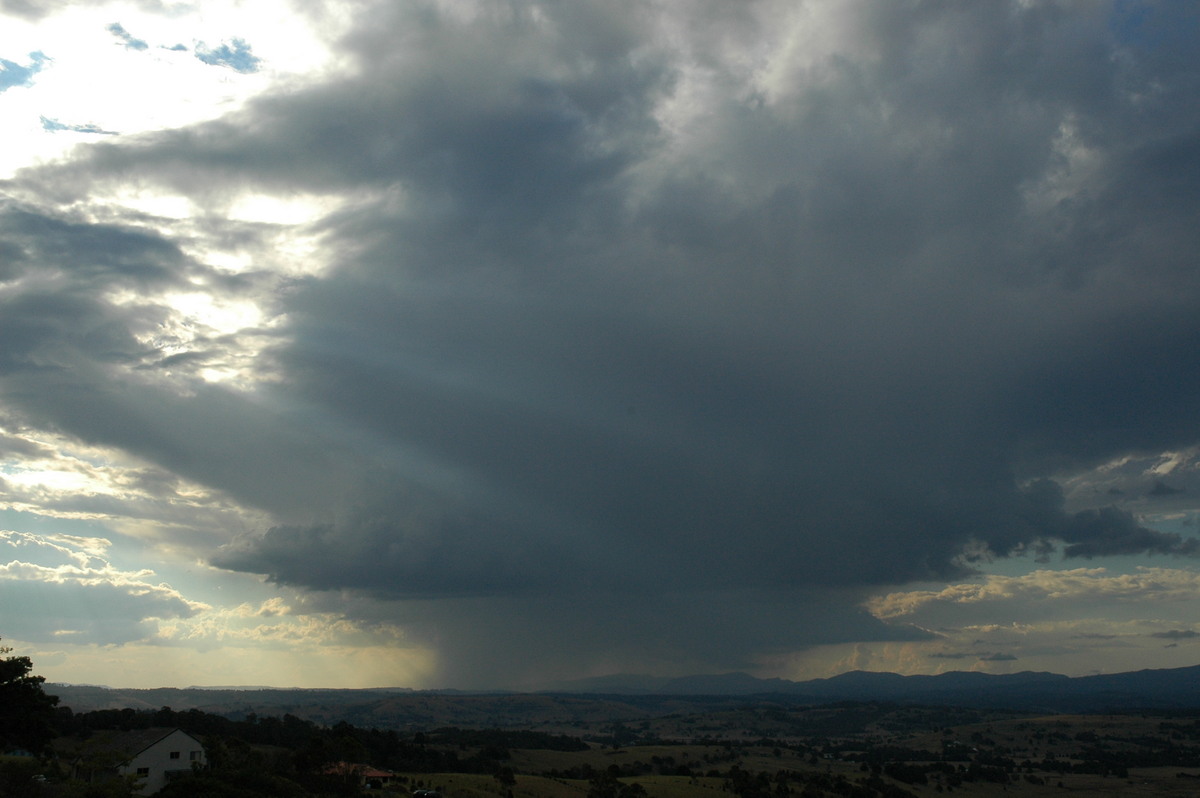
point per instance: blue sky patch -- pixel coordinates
(130, 41)
(235, 54)
(54, 126)
(13, 74)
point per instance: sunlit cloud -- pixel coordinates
(86, 598)
(159, 55)
(158, 665)
(1077, 584)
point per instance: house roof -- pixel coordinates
(356, 769)
(132, 742)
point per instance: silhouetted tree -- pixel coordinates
(606, 785)
(26, 712)
(506, 777)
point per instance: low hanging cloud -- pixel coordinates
(1177, 634)
(984, 656)
(628, 317)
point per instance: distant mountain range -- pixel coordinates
(1151, 689)
(627, 696)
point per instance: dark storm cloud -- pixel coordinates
(613, 316)
(722, 374)
(72, 355)
(94, 255)
(58, 313)
(1109, 531)
(1099, 532)
(524, 641)
(209, 435)
(1177, 634)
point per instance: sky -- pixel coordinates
(504, 343)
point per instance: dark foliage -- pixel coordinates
(313, 746)
(506, 738)
(26, 712)
(233, 784)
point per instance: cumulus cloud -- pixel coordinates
(626, 318)
(276, 625)
(1148, 484)
(61, 478)
(83, 598)
(29, 8)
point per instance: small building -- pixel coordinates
(152, 756)
(363, 775)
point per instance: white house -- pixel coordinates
(151, 755)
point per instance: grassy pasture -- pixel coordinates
(1027, 738)
(459, 785)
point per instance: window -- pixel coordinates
(143, 771)
(174, 754)
(194, 756)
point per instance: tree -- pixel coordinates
(26, 712)
(606, 785)
(506, 777)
